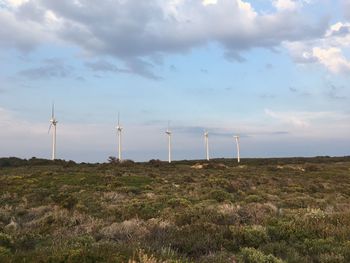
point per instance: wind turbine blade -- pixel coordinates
(53, 110)
(49, 128)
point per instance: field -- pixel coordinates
(263, 210)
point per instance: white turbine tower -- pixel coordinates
(119, 132)
(206, 141)
(53, 123)
(237, 145)
(168, 133)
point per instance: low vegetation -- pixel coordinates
(263, 210)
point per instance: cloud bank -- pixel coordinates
(134, 31)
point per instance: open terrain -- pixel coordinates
(263, 210)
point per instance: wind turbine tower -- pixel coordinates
(206, 140)
(237, 144)
(53, 123)
(119, 132)
(168, 133)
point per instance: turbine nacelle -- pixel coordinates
(53, 121)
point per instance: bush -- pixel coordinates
(252, 255)
(178, 202)
(198, 239)
(249, 236)
(4, 252)
(155, 162)
(65, 200)
(143, 210)
(127, 231)
(5, 240)
(253, 199)
(219, 195)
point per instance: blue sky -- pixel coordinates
(276, 72)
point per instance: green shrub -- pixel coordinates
(249, 236)
(142, 209)
(65, 200)
(4, 252)
(219, 195)
(5, 240)
(28, 241)
(331, 258)
(252, 255)
(178, 202)
(253, 199)
(284, 251)
(198, 239)
(318, 246)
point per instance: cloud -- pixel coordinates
(134, 31)
(133, 66)
(199, 130)
(269, 66)
(333, 59)
(304, 119)
(346, 9)
(14, 33)
(210, 2)
(328, 51)
(142, 68)
(225, 132)
(289, 118)
(333, 92)
(51, 68)
(104, 66)
(285, 4)
(292, 89)
(14, 3)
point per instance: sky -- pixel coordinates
(274, 72)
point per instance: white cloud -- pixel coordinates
(290, 5)
(295, 119)
(15, 3)
(333, 59)
(210, 2)
(301, 52)
(329, 50)
(306, 119)
(285, 4)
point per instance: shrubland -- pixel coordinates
(262, 210)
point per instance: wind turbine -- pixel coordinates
(168, 133)
(206, 141)
(237, 144)
(119, 132)
(53, 123)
